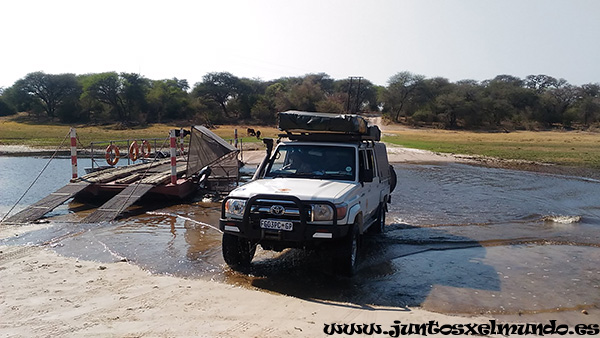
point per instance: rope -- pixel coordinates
(36, 179)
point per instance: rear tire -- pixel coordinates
(237, 251)
(379, 226)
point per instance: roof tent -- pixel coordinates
(299, 124)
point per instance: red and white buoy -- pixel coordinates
(173, 157)
(73, 153)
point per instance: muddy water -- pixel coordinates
(459, 239)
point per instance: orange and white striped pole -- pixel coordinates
(73, 153)
(173, 157)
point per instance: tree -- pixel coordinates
(168, 99)
(18, 98)
(303, 93)
(402, 89)
(250, 92)
(588, 105)
(540, 83)
(106, 88)
(135, 88)
(6, 108)
(560, 100)
(360, 95)
(219, 87)
(50, 91)
(459, 102)
(262, 112)
(506, 96)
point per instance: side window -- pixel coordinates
(362, 161)
(371, 162)
(366, 165)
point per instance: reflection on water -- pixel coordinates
(460, 239)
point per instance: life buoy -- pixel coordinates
(134, 151)
(146, 149)
(110, 159)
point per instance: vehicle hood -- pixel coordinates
(304, 189)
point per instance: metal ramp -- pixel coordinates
(47, 204)
(113, 207)
(206, 149)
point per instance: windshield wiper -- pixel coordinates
(276, 175)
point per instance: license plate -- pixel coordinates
(276, 225)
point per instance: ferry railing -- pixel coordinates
(156, 144)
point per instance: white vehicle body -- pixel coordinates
(321, 192)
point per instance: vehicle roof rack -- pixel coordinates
(328, 137)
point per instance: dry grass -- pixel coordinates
(576, 148)
(49, 135)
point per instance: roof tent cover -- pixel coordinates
(207, 148)
(298, 121)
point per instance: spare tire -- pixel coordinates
(393, 178)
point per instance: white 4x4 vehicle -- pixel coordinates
(322, 188)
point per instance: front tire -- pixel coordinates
(237, 251)
(347, 255)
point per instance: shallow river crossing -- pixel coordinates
(459, 239)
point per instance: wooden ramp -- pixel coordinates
(48, 203)
(119, 203)
(110, 210)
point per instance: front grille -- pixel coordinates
(267, 208)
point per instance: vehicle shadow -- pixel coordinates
(406, 266)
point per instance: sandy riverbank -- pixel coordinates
(44, 294)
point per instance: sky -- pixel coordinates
(268, 39)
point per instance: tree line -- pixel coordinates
(537, 101)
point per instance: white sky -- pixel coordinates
(268, 39)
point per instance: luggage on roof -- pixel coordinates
(298, 121)
(326, 126)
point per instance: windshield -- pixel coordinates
(313, 161)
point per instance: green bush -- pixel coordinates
(6, 109)
(423, 116)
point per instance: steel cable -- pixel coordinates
(36, 179)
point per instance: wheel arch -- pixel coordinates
(354, 212)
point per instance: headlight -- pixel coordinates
(321, 212)
(235, 208)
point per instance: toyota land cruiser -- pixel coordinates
(326, 183)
